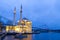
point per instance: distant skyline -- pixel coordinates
(40, 12)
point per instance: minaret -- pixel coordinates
(14, 16)
(21, 13)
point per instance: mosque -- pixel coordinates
(24, 25)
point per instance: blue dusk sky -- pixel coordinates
(42, 13)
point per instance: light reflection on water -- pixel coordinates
(43, 36)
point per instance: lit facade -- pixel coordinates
(25, 26)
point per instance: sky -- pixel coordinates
(42, 13)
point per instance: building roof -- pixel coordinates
(24, 19)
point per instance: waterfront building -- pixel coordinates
(24, 26)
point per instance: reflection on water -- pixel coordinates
(19, 37)
(47, 36)
(41, 36)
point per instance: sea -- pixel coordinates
(46, 36)
(41, 36)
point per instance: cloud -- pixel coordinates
(44, 11)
